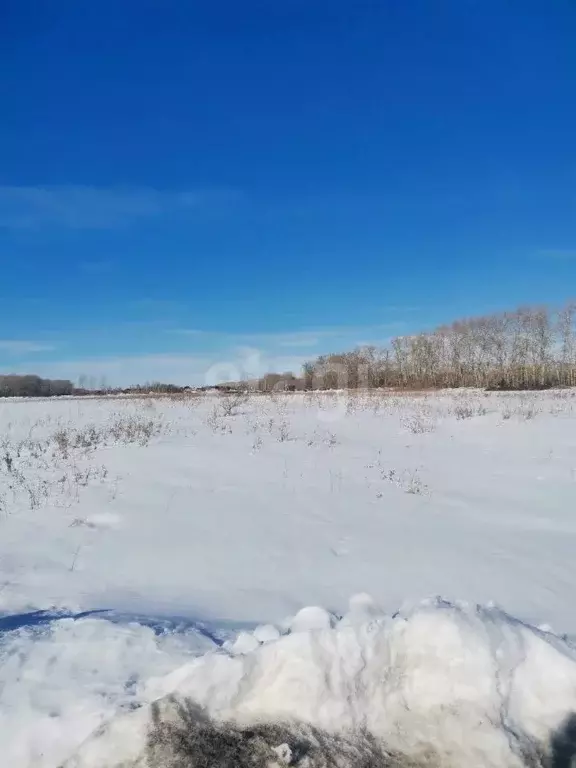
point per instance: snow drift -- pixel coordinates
(438, 685)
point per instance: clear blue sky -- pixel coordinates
(186, 183)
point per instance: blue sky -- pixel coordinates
(244, 185)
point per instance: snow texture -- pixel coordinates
(157, 558)
(442, 685)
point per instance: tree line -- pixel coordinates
(29, 385)
(528, 348)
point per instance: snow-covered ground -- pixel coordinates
(184, 521)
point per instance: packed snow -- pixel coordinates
(178, 546)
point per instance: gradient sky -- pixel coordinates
(244, 185)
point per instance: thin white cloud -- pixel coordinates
(87, 207)
(155, 305)
(558, 254)
(305, 339)
(297, 339)
(96, 267)
(231, 357)
(22, 347)
(182, 369)
(123, 371)
(188, 332)
(302, 339)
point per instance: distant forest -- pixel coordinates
(528, 348)
(28, 385)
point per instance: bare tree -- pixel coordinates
(532, 347)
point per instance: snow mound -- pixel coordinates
(440, 685)
(61, 681)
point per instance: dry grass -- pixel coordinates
(55, 461)
(55, 468)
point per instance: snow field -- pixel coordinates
(237, 513)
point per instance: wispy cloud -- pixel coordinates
(21, 347)
(156, 305)
(299, 339)
(183, 369)
(189, 332)
(296, 339)
(304, 339)
(87, 207)
(204, 357)
(123, 371)
(102, 267)
(558, 254)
